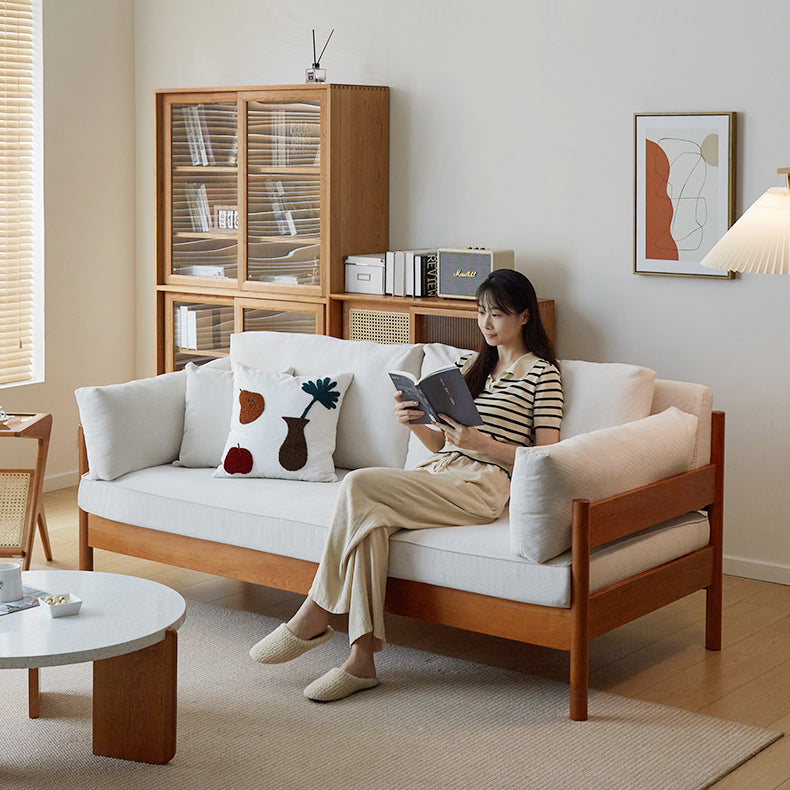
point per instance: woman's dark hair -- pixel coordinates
(511, 292)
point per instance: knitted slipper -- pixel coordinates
(281, 645)
(337, 684)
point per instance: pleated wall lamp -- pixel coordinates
(759, 242)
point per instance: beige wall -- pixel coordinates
(512, 125)
(89, 186)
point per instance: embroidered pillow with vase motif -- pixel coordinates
(283, 426)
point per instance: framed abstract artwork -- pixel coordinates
(684, 190)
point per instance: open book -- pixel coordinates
(442, 392)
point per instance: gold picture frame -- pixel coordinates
(684, 190)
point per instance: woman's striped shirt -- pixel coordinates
(526, 396)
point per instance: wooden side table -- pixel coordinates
(21, 504)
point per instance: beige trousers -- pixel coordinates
(372, 504)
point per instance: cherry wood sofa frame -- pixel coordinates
(571, 629)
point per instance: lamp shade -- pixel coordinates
(759, 241)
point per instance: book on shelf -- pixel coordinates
(403, 272)
(205, 136)
(197, 203)
(233, 153)
(389, 272)
(195, 141)
(413, 286)
(425, 274)
(204, 328)
(399, 273)
(443, 391)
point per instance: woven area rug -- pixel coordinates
(435, 722)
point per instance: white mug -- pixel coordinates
(10, 581)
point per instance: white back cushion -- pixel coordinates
(133, 425)
(367, 432)
(207, 414)
(692, 398)
(601, 394)
(591, 466)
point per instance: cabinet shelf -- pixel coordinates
(285, 170)
(201, 170)
(205, 234)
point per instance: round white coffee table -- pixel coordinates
(127, 627)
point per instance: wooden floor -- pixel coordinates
(660, 657)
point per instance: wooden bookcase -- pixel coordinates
(260, 194)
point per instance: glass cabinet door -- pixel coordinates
(274, 317)
(284, 192)
(200, 330)
(204, 190)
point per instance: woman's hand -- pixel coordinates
(463, 437)
(405, 411)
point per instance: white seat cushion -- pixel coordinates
(291, 519)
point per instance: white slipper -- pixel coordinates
(337, 684)
(281, 645)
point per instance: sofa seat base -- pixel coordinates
(291, 519)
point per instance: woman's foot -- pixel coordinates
(337, 684)
(309, 621)
(360, 661)
(281, 645)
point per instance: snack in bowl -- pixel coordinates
(60, 605)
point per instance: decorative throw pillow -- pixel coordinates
(132, 425)
(207, 414)
(283, 426)
(591, 466)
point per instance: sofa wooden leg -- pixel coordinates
(579, 683)
(86, 550)
(580, 609)
(713, 615)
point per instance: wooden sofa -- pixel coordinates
(569, 629)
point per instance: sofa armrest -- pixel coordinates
(132, 425)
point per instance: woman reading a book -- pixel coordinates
(516, 384)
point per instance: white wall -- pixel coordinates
(512, 125)
(89, 187)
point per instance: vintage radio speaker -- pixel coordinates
(378, 326)
(460, 272)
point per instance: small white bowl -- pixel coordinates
(61, 609)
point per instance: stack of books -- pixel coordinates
(204, 327)
(410, 272)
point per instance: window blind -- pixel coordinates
(21, 193)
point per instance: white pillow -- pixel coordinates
(601, 394)
(207, 414)
(283, 426)
(367, 432)
(591, 466)
(133, 425)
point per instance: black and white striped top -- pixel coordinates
(526, 396)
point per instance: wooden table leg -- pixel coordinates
(134, 703)
(33, 697)
(42, 530)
